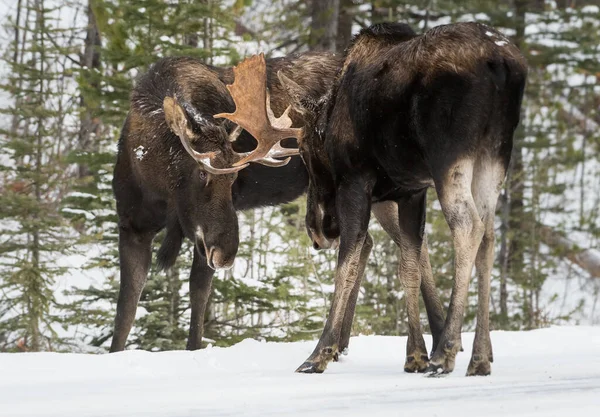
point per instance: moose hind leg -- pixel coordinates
(135, 254)
(411, 215)
(487, 183)
(460, 211)
(388, 217)
(201, 277)
(431, 298)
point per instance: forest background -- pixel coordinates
(66, 71)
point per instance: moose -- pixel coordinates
(408, 112)
(173, 171)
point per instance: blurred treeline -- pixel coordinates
(66, 72)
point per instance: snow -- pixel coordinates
(549, 372)
(140, 152)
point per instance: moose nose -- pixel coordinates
(217, 259)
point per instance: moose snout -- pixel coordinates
(219, 259)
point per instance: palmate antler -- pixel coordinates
(253, 113)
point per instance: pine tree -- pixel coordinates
(35, 176)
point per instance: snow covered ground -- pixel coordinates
(549, 372)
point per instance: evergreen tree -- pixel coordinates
(34, 176)
(68, 87)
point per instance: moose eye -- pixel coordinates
(203, 175)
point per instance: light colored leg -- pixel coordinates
(353, 200)
(349, 315)
(487, 184)
(458, 205)
(388, 216)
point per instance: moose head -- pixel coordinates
(218, 164)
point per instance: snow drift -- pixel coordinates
(549, 372)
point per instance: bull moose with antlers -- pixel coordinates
(406, 113)
(174, 171)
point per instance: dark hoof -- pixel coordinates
(443, 360)
(317, 363)
(479, 366)
(310, 368)
(435, 370)
(416, 363)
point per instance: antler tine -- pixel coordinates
(253, 113)
(178, 123)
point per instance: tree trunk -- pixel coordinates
(381, 11)
(503, 258)
(18, 58)
(90, 60)
(34, 290)
(324, 25)
(191, 39)
(344, 30)
(517, 224)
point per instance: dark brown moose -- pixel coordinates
(174, 171)
(250, 97)
(407, 113)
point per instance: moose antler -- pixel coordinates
(178, 123)
(253, 113)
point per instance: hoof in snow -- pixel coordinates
(443, 360)
(316, 363)
(337, 355)
(443, 366)
(435, 370)
(479, 366)
(417, 362)
(310, 368)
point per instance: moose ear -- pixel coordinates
(301, 99)
(183, 119)
(176, 118)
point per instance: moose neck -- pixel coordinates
(259, 186)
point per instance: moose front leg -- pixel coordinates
(349, 315)
(353, 207)
(135, 254)
(201, 277)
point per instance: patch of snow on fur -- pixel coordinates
(140, 152)
(500, 43)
